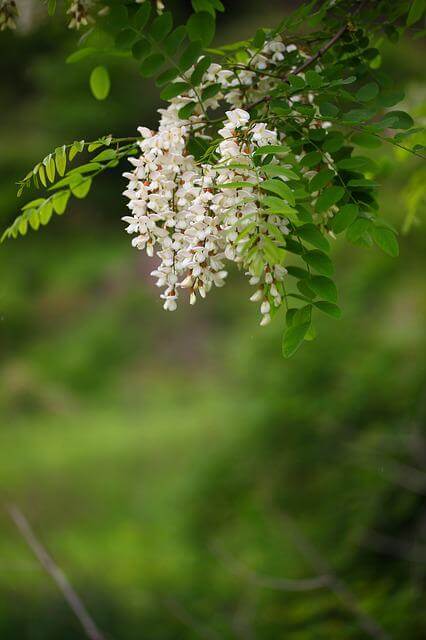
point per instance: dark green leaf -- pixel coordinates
(126, 38)
(344, 217)
(200, 69)
(367, 92)
(324, 287)
(141, 16)
(329, 308)
(151, 65)
(311, 234)
(187, 110)
(201, 26)
(319, 261)
(293, 338)
(367, 140)
(141, 48)
(320, 180)
(328, 197)
(417, 9)
(161, 26)
(173, 41)
(173, 90)
(313, 79)
(190, 55)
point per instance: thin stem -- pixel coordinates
(57, 575)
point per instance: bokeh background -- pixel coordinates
(188, 480)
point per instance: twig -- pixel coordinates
(336, 585)
(316, 56)
(187, 619)
(55, 573)
(269, 582)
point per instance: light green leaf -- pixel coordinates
(61, 160)
(280, 188)
(100, 83)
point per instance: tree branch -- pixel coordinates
(60, 579)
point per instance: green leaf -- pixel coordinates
(367, 92)
(51, 7)
(200, 69)
(42, 175)
(151, 64)
(319, 261)
(173, 90)
(293, 338)
(417, 9)
(280, 188)
(329, 308)
(280, 208)
(141, 16)
(328, 197)
(311, 159)
(186, 111)
(126, 38)
(274, 170)
(357, 163)
(59, 201)
(107, 154)
(77, 147)
(344, 217)
(81, 188)
(271, 149)
(45, 212)
(210, 91)
(333, 142)
(100, 83)
(366, 140)
(61, 160)
(141, 48)
(166, 77)
(49, 163)
(324, 288)
(398, 120)
(311, 234)
(320, 180)
(313, 79)
(173, 41)
(161, 26)
(386, 240)
(328, 110)
(80, 54)
(190, 55)
(358, 228)
(201, 26)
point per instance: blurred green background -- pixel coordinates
(188, 480)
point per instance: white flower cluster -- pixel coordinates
(195, 217)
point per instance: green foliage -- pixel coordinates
(329, 97)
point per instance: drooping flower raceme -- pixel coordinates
(195, 216)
